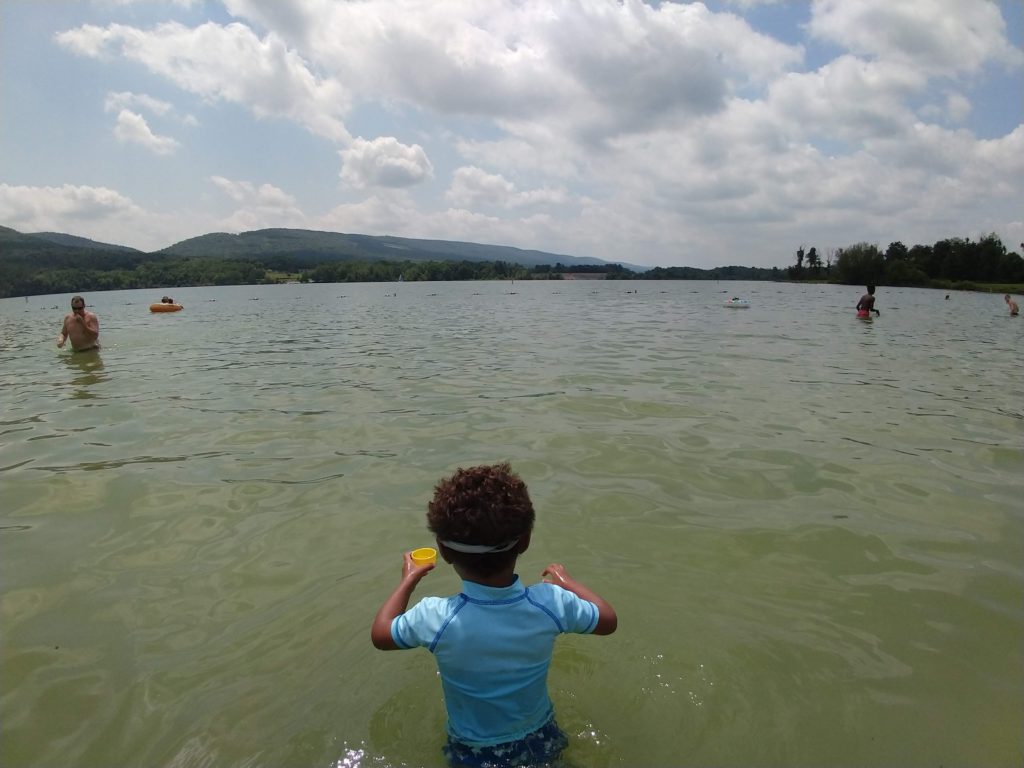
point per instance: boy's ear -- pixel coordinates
(443, 551)
(524, 543)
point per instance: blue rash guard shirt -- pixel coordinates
(493, 648)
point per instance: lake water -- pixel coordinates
(812, 527)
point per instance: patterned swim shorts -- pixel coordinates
(540, 748)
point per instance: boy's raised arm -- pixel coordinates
(607, 621)
(397, 602)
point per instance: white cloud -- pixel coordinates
(384, 162)
(225, 63)
(375, 214)
(263, 195)
(590, 70)
(182, 3)
(848, 98)
(539, 153)
(958, 107)
(942, 37)
(260, 206)
(31, 209)
(396, 214)
(116, 101)
(473, 187)
(754, 3)
(132, 128)
(953, 108)
(88, 40)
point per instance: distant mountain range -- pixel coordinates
(13, 242)
(41, 263)
(73, 241)
(283, 247)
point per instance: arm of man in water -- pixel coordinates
(63, 337)
(607, 620)
(395, 605)
(91, 324)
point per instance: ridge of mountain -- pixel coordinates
(279, 249)
(74, 241)
(305, 245)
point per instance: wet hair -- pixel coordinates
(484, 505)
(871, 289)
(76, 299)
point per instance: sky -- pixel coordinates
(649, 133)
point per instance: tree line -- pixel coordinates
(953, 262)
(19, 277)
(23, 280)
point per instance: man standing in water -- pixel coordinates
(866, 305)
(1014, 309)
(81, 326)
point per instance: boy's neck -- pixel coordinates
(505, 578)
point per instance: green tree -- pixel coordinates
(813, 260)
(896, 251)
(861, 264)
(922, 257)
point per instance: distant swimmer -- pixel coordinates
(81, 326)
(866, 305)
(1014, 309)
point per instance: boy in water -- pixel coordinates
(493, 641)
(1014, 309)
(866, 305)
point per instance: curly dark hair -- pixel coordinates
(488, 504)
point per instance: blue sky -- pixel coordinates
(696, 134)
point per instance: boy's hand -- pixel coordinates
(555, 574)
(397, 602)
(412, 571)
(607, 621)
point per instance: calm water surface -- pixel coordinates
(812, 527)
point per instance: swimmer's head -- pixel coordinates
(77, 304)
(871, 290)
(482, 518)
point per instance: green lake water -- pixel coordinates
(812, 527)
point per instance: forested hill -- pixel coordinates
(303, 247)
(48, 262)
(12, 238)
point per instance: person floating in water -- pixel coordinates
(866, 305)
(492, 641)
(1014, 309)
(81, 326)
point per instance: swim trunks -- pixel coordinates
(537, 748)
